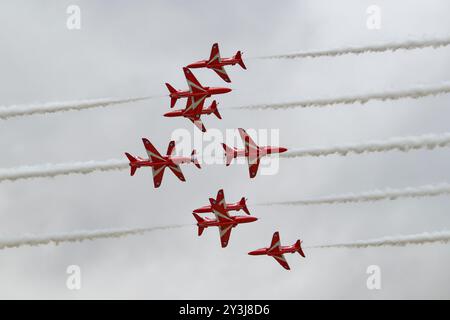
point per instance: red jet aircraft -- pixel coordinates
(217, 63)
(196, 90)
(251, 151)
(223, 220)
(220, 199)
(159, 163)
(276, 250)
(194, 110)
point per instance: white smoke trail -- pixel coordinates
(408, 45)
(53, 170)
(34, 240)
(428, 141)
(375, 195)
(397, 241)
(414, 93)
(26, 110)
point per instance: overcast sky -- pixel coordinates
(130, 48)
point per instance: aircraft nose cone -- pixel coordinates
(281, 149)
(253, 253)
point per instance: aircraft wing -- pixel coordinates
(194, 105)
(198, 122)
(275, 244)
(215, 54)
(171, 148)
(251, 149)
(177, 171)
(152, 153)
(225, 232)
(194, 85)
(219, 211)
(282, 260)
(222, 73)
(158, 173)
(253, 165)
(220, 199)
(249, 144)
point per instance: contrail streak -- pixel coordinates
(414, 93)
(34, 240)
(375, 195)
(428, 141)
(408, 45)
(26, 110)
(53, 170)
(396, 241)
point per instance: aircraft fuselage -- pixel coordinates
(275, 252)
(209, 91)
(167, 161)
(183, 113)
(234, 221)
(215, 64)
(260, 152)
(229, 207)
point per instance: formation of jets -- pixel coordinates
(226, 222)
(223, 219)
(197, 93)
(194, 109)
(251, 151)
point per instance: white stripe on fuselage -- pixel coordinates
(195, 104)
(280, 257)
(176, 168)
(157, 171)
(276, 245)
(190, 84)
(218, 214)
(225, 230)
(151, 155)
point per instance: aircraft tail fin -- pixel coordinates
(194, 159)
(215, 110)
(132, 161)
(199, 221)
(238, 56)
(298, 246)
(172, 90)
(230, 153)
(243, 203)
